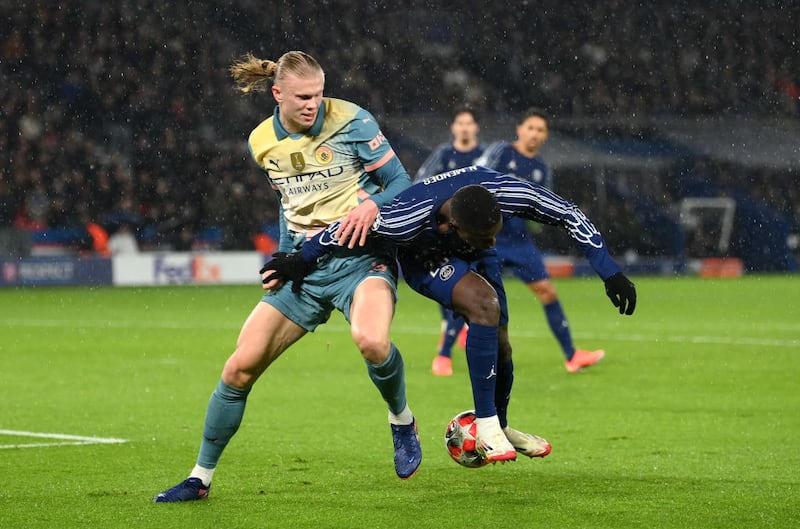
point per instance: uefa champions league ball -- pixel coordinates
(459, 438)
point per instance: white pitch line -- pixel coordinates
(75, 440)
(43, 445)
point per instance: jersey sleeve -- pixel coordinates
(547, 181)
(399, 221)
(535, 202)
(378, 157)
(320, 244)
(491, 156)
(395, 179)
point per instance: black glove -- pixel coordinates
(287, 267)
(621, 292)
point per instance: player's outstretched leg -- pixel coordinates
(223, 417)
(389, 378)
(491, 443)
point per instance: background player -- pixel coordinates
(327, 158)
(516, 248)
(463, 151)
(444, 228)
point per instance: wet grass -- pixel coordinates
(690, 421)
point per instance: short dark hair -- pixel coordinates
(464, 110)
(474, 208)
(533, 112)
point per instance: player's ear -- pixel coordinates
(444, 210)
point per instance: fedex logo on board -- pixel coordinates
(190, 269)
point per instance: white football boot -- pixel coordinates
(526, 443)
(491, 443)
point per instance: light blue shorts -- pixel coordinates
(332, 284)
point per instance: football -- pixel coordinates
(459, 438)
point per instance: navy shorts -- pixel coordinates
(524, 258)
(438, 284)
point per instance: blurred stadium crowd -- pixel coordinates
(123, 114)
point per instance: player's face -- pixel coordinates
(480, 240)
(464, 128)
(531, 134)
(299, 99)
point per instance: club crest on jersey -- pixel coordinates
(446, 272)
(323, 155)
(298, 162)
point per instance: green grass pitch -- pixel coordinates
(691, 420)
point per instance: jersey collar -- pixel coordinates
(281, 132)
